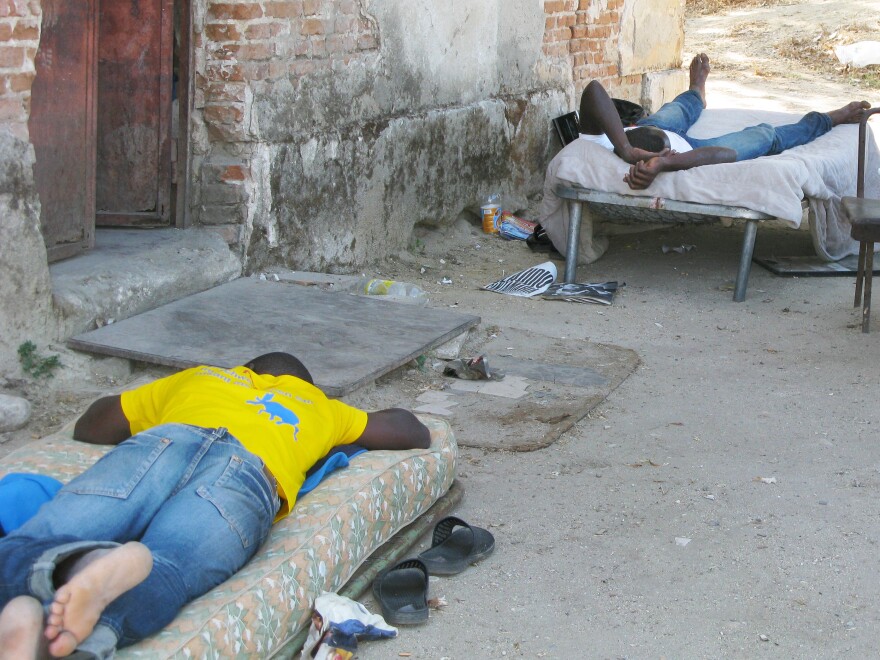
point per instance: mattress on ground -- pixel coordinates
(317, 548)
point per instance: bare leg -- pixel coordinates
(99, 578)
(851, 113)
(699, 71)
(21, 623)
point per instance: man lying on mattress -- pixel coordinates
(207, 459)
(659, 143)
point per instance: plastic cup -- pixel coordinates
(490, 214)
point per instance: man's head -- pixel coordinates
(280, 364)
(649, 138)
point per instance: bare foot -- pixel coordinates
(700, 69)
(106, 575)
(20, 625)
(851, 113)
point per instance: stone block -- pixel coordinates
(661, 86)
(651, 35)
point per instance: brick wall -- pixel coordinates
(19, 37)
(586, 32)
(248, 43)
(249, 47)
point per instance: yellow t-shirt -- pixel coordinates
(284, 420)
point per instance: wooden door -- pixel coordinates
(135, 56)
(62, 125)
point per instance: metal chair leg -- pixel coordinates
(745, 261)
(869, 274)
(574, 232)
(860, 273)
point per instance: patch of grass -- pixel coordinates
(36, 365)
(700, 7)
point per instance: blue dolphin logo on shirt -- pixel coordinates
(276, 411)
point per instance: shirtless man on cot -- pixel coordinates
(661, 144)
(207, 459)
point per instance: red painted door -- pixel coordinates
(62, 125)
(135, 56)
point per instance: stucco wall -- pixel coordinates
(326, 130)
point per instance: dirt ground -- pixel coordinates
(722, 502)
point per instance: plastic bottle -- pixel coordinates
(395, 289)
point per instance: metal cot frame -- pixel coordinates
(655, 209)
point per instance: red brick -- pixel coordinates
(224, 52)
(18, 82)
(218, 93)
(284, 9)
(341, 43)
(222, 32)
(5, 31)
(259, 31)
(234, 173)
(311, 7)
(313, 26)
(235, 11)
(224, 114)
(26, 30)
(553, 6)
(12, 57)
(224, 73)
(256, 51)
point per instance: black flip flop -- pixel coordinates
(402, 592)
(453, 550)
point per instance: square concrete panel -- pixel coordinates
(345, 340)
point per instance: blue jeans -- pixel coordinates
(682, 112)
(195, 497)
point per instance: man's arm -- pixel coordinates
(394, 428)
(642, 174)
(103, 423)
(598, 115)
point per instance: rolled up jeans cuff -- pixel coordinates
(40, 581)
(100, 645)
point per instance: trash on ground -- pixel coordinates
(598, 293)
(476, 368)
(337, 625)
(512, 227)
(526, 283)
(445, 280)
(678, 249)
(491, 211)
(394, 289)
(766, 480)
(859, 54)
(682, 541)
(437, 603)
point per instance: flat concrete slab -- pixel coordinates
(346, 341)
(134, 270)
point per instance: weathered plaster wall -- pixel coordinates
(327, 129)
(25, 289)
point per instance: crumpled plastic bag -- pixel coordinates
(859, 54)
(337, 625)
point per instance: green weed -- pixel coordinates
(36, 365)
